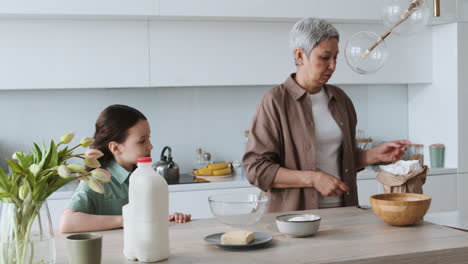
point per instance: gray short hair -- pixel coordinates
(308, 32)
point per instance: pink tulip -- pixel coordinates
(76, 167)
(101, 175)
(63, 171)
(65, 139)
(86, 142)
(92, 163)
(96, 186)
(93, 154)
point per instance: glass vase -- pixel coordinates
(26, 233)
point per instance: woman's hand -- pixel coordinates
(180, 217)
(329, 185)
(386, 152)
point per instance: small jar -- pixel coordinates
(436, 153)
(416, 152)
(198, 162)
(364, 143)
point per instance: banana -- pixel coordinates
(218, 166)
(226, 171)
(203, 172)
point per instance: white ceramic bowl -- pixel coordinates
(298, 225)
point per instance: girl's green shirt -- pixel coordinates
(87, 201)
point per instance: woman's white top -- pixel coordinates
(329, 140)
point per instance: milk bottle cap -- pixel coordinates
(144, 160)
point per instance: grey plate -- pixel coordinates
(260, 240)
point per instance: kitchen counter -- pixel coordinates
(227, 183)
(346, 235)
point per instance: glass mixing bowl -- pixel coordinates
(238, 209)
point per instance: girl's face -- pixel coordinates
(137, 144)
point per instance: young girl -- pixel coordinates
(123, 135)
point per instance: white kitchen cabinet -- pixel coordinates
(462, 87)
(79, 7)
(462, 8)
(345, 10)
(73, 54)
(357, 10)
(462, 194)
(452, 11)
(196, 202)
(443, 190)
(216, 53)
(206, 53)
(449, 12)
(56, 207)
(240, 8)
(367, 188)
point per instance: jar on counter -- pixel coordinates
(198, 161)
(436, 153)
(416, 152)
(364, 143)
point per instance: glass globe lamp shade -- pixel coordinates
(360, 58)
(394, 10)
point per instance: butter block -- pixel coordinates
(237, 237)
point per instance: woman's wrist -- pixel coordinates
(309, 177)
(367, 157)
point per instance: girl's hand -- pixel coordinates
(180, 217)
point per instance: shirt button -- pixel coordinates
(346, 170)
(341, 123)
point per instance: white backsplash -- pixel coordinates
(184, 118)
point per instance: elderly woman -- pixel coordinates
(302, 149)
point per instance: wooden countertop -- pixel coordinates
(346, 235)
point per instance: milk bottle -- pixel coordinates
(146, 234)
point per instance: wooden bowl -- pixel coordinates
(400, 209)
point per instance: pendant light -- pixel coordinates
(366, 52)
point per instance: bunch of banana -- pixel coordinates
(216, 169)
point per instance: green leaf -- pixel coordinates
(37, 153)
(30, 178)
(45, 157)
(4, 195)
(41, 195)
(29, 159)
(4, 180)
(61, 155)
(59, 183)
(24, 161)
(53, 155)
(15, 183)
(38, 186)
(15, 167)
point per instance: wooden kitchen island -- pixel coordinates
(346, 235)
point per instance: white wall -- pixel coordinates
(184, 118)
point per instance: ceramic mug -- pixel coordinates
(84, 248)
